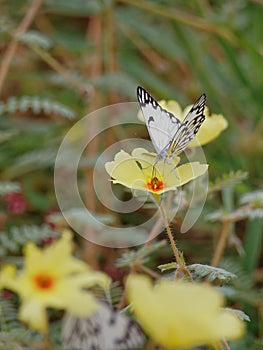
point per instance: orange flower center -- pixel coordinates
(155, 184)
(44, 281)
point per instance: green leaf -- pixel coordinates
(241, 314)
(169, 266)
(217, 274)
(200, 272)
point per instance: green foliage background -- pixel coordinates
(77, 56)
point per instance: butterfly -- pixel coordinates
(169, 135)
(106, 329)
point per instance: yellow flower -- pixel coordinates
(210, 129)
(52, 278)
(140, 171)
(178, 314)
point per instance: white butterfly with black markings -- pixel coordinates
(106, 329)
(169, 135)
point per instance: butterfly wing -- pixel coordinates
(189, 128)
(106, 329)
(79, 334)
(161, 124)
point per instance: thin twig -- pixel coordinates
(95, 70)
(83, 89)
(149, 272)
(9, 54)
(222, 243)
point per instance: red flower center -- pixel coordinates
(155, 184)
(44, 281)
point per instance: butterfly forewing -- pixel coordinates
(161, 124)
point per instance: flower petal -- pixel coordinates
(177, 314)
(141, 171)
(125, 170)
(47, 284)
(190, 171)
(7, 280)
(209, 130)
(34, 314)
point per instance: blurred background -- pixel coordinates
(61, 59)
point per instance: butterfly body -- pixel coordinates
(169, 135)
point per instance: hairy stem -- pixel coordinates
(181, 265)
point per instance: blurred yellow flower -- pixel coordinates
(178, 314)
(52, 278)
(140, 171)
(210, 129)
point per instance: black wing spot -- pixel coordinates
(151, 119)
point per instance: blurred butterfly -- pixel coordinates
(106, 329)
(169, 135)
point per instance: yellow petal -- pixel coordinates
(82, 304)
(177, 314)
(190, 171)
(125, 170)
(7, 280)
(34, 315)
(173, 107)
(209, 130)
(47, 284)
(141, 171)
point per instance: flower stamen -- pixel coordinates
(44, 281)
(155, 184)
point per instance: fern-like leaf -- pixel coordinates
(228, 179)
(199, 272)
(255, 198)
(214, 274)
(11, 242)
(9, 187)
(32, 161)
(8, 314)
(33, 37)
(37, 105)
(239, 313)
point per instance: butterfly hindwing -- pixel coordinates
(189, 127)
(161, 124)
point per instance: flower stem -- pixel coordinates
(181, 265)
(226, 345)
(47, 342)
